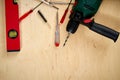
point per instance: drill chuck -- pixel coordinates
(75, 19)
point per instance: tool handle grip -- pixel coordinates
(25, 15)
(42, 16)
(64, 15)
(105, 31)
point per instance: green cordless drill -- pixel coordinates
(81, 13)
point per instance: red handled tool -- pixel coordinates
(29, 12)
(65, 13)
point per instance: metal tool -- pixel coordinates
(42, 16)
(60, 3)
(29, 12)
(49, 4)
(66, 38)
(57, 32)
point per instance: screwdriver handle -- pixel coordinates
(64, 15)
(25, 15)
(105, 31)
(42, 16)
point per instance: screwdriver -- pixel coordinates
(29, 12)
(65, 13)
(44, 1)
(42, 16)
(57, 32)
(60, 3)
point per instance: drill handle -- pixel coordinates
(103, 30)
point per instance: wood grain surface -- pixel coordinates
(86, 56)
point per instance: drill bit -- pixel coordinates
(66, 38)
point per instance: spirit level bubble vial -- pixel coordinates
(12, 26)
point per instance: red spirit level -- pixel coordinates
(12, 26)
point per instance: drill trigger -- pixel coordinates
(87, 21)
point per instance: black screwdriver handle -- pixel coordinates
(42, 16)
(105, 31)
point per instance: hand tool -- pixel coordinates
(82, 12)
(60, 3)
(12, 26)
(65, 13)
(29, 12)
(42, 16)
(57, 32)
(49, 4)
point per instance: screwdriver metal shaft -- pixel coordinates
(61, 3)
(44, 1)
(66, 39)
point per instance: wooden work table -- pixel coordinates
(86, 56)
